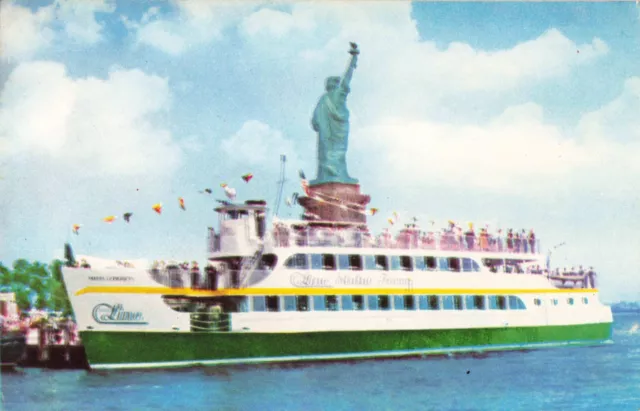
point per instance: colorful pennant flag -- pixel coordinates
(247, 177)
(181, 202)
(76, 227)
(127, 216)
(157, 208)
(230, 192)
(110, 219)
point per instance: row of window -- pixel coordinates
(381, 303)
(554, 301)
(379, 262)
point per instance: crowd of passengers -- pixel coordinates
(451, 238)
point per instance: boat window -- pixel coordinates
(381, 262)
(457, 302)
(468, 264)
(273, 303)
(372, 301)
(398, 302)
(570, 301)
(343, 262)
(370, 262)
(347, 303)
(358, 302)
(243, 305)
(585, 300)
(316, 261)
(419, 264)
(513, 266)
(434, 302)
(423, 302)
(431, 263)
(302, 303)
(395, 262)
(332, 302)
(350, 262)
(409, 302)
(290, 303)
(298, 261)
(454, 264)
(384, 302)
(475, 302)
(268, 261)
(443, 264)
(554, 301)
(405, 263)
(515, 303)
(497, 302)
(494, 264)
(319, 303)
(537, 301)
(259, 304)
(447, 302)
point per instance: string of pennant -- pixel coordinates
(158, 207)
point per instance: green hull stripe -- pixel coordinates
(164, 349)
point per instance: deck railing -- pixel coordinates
(284, 237)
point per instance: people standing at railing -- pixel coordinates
(532, 241)
(211, 277)
(525, 243)
(510, 240)
(517, 242)
(195, 275)
(470, 236)
(484, 239)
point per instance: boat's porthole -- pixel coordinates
(537, 301)
(570, 301)
(585, 300)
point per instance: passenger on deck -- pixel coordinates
(517, 242)
(195, 275)
(84, 264)
(211, 277)
(532, 241)
(499, 242)
(525, 243)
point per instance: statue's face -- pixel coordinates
(332, 83)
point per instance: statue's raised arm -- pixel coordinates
(346, 79)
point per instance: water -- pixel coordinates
(603, 378)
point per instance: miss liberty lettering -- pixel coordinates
(115, 314)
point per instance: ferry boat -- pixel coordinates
(325, 290)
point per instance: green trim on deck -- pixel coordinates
(139, 348)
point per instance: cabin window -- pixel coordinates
(370, 263)
(372, 301)
(431, 263)
(452, 302)
(434, 302)
(469, 264)
(497, 302)
(358, 302)
(243, 305)
(443, 264)
(405, 263)
(475, 302)
(381, 262)
(343, 262)
(268, 262)
(259, 304)
(332, 302)
(398, 302)
(350, 262)
(273, 303)
(554, 301)
(585, 300)
(298, 261)
(537, 302)
(515, 303)
(454, 264)
(289, 303)
(395, 262)
(323, 262)
(302, 303)
(384, 302)
(409, 302)
(419, 264)
(347, 303)
(319, 303)
(570, 301)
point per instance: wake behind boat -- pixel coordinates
(325, 287)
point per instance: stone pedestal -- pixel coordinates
(335, 202)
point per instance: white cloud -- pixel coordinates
(101, 126)
(195, 22)
(24, 32)
(257, 144)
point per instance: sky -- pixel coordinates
(515, 115)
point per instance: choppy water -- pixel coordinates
(591, 378)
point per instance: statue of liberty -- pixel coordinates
(331, 122)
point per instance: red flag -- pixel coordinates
(76, 227)
(157, 208)
(247, 177)
(181, 201)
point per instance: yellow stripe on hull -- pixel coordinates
(323, 291)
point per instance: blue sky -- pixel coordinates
(516, 115)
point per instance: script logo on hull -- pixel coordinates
(115, 314)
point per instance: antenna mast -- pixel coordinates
(283, 160)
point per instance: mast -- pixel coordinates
(283, 160)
